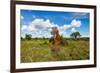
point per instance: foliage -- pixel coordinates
(63, 41)
(28, 36)
(22, 38)
(75, 35)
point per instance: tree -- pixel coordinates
(22, 38)
(28, 36)
(75, 35)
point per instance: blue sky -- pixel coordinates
(39, 23)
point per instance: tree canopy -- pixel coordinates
(28, 36)
(75, 35)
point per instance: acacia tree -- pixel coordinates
(75, 35)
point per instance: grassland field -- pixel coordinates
(38, 50)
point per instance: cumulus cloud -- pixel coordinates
(23, 27)
(73, 30)
(74, 24)
(38, 25)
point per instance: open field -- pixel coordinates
(38, 50)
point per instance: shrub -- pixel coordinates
(28, 36)
(63, 41)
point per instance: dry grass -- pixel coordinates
(38, 50)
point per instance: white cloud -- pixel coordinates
(76, 23)
(73, 30)
(43, 26)
(22, 17)
(23, 27)
(40, 23)
(65, 27)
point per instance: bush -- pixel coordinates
(63, 41)
(22, 38)
(28, 36)
(45, 42)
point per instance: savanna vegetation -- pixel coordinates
(38, 49)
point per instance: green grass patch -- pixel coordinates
(38, 50)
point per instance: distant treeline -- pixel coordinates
(82, 38)
(73, 36)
